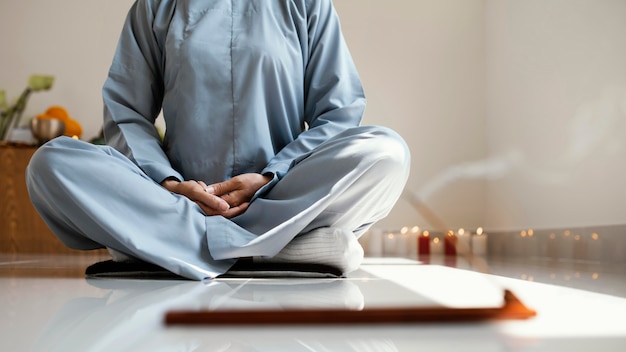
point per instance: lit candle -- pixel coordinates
(423, 244)
(436, 247)
(594, 247)
(402, 242)
(580, 248)
(449, 242)
(463, 240)
(551, 247)
(479, 242)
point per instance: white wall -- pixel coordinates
(556, 93)
(422, 64)
(70, 39)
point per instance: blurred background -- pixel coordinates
(514, 111)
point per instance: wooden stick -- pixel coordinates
(513, 308)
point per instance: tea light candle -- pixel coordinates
(402, 242)
(449, 242)
(594, 247)
(463, 240)
(436, 247)
(479, 242)
(580, 248)
(423, 244)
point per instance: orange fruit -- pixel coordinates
(59, 112)
(73, 128)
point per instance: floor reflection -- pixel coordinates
(128, 314)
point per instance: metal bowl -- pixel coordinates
(47, 129)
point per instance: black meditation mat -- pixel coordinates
(242, 268)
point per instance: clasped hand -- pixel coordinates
(228, 199)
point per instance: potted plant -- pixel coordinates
(11, 114)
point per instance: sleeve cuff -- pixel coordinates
(159, 174)
(267, 186)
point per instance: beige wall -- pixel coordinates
(422, 64)
(556, 93)
(477, 88)
(70, 39)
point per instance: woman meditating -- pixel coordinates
(263, 154)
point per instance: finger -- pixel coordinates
(235, 198)
(215, 202)
(211, 201)
(207, 210)
(222, 188)
(229, 213)
(203, 185)
(234, 211)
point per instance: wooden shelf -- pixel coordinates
(21, 228)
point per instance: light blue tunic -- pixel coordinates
(238, 80)
(245, 86)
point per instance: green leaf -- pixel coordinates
(40, 82)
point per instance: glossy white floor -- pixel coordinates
(47, 305)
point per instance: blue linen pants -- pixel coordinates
(93, 197)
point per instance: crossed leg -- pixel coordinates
(93, 197)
